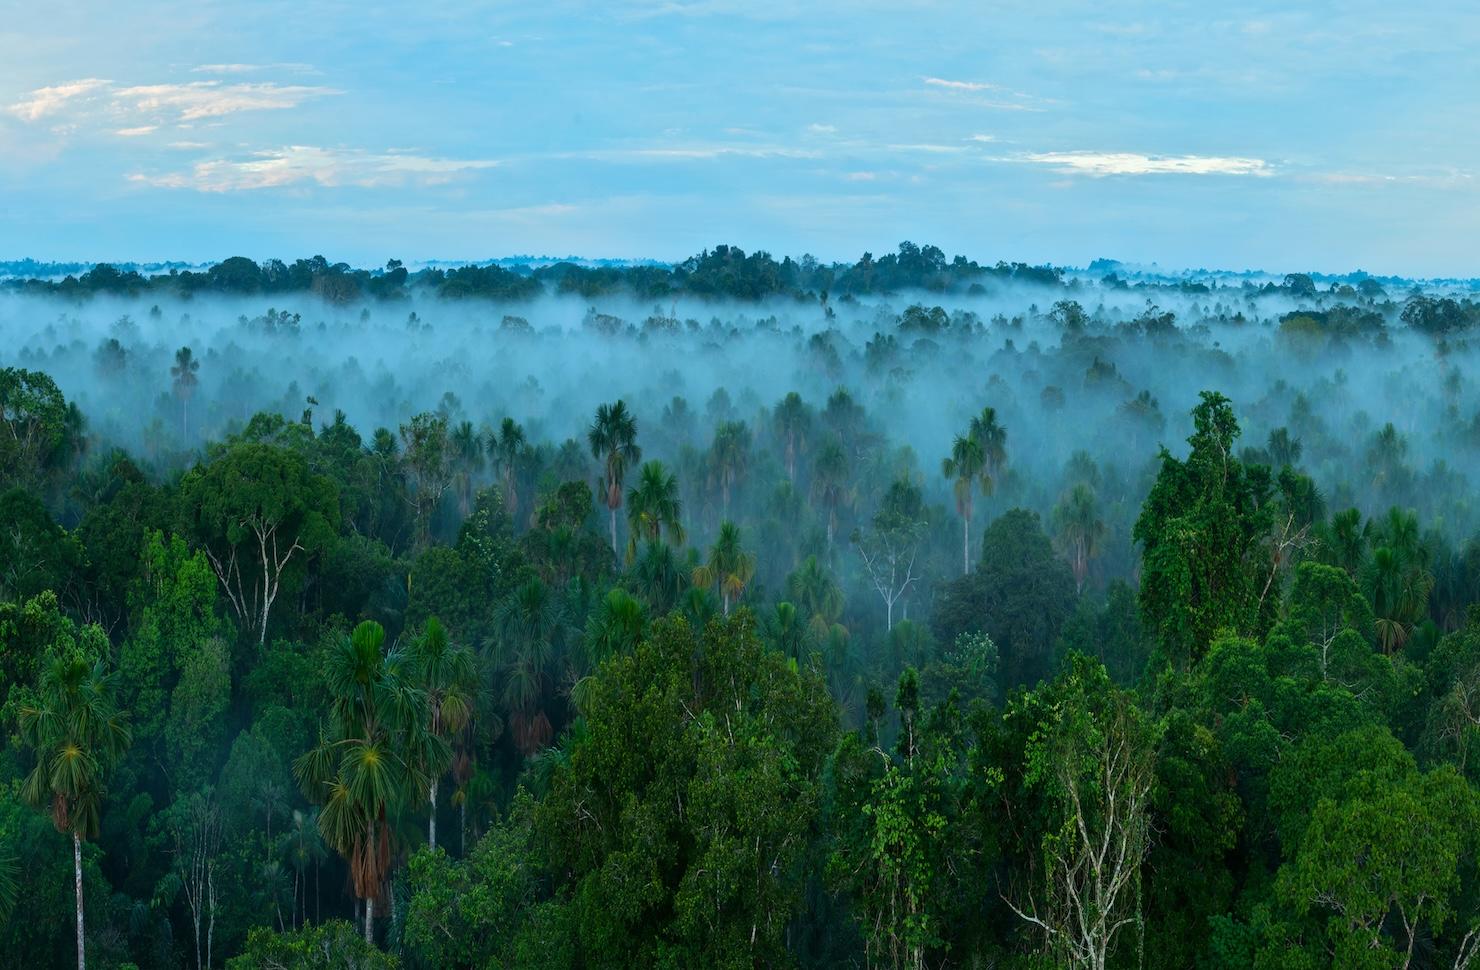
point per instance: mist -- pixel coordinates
(1090, 369)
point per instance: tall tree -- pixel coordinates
(259, 512)
(78, 734)
(830, 477)
(653, 507)
(613, 440)
(729, 566)
(729, 455)
(371, 756)
(507, 446)
(792, 420)
(184, 372)
(467, 459)
(428, 459)
(448, 675)
(1079, 526)
(890, 547)
(967, 469)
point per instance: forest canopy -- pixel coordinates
(909, 612)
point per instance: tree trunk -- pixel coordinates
(613, 510)
(432, 822)
(77, 873)
(370, 920)
(965, 545)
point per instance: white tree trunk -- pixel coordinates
(370, 920)
(432, 822)
(77, 873)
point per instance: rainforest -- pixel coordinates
(737, 612)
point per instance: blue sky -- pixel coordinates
(1324, 136)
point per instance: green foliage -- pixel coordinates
(327, 946)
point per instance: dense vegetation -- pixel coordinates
(908, 613)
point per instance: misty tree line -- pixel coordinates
(752, 681)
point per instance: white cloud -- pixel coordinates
(212, 99)
(982, 138)
(1100, 164)
(927, 149)
(136, 132)
(818, 129)
(941, 82)
(291, 67)
(330, 167)
(692, 153)
(49, 100)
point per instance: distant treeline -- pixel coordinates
(725, 271)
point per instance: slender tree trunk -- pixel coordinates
(432, 821)
(370, 920)
(612, 509)
(77, 874)
(965, 545)
(463, 825)
(211, 896)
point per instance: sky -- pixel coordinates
(1290, 136)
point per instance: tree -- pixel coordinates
(818, 596)
(889, 548)
(259, 512)
(967, 469)
(830, 476)
(530, 627)
(184, 369)
(78, 734)
(35, 423)
(679, 823)
(428, 457)
(1080, 528)
(507, 446)
(613, 440)
(729, 566)
(467, 460)
(653, 507)
(196, 826)
(792, 420)
(1201, 529)
(1091, 761)
(371, 756)
(729, 455)
(448, 675)
(993, 440)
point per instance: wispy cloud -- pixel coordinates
(49, 100)
(212, 99)
(289, 67)
(692, 153)
(1102, 164)
(295, 164)
(136, 132)
(941, 82)
(157, 103)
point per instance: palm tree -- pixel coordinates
(613, 440)
(467, 457)
(792, 420)
(530, 625)
(184, 370)
(729, 566)
(448, 674)
(659, 577)
(813, 589)
(653, 505)
(370, 758)
(1080, 528)
(830, 484)
(993, 439)
(729, 454)
(78, 734)
(967, 468)
(507, 446)
(615, 627)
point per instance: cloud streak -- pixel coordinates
(52, 99)
(1103, 164)
(191, 101)
(328, 167)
